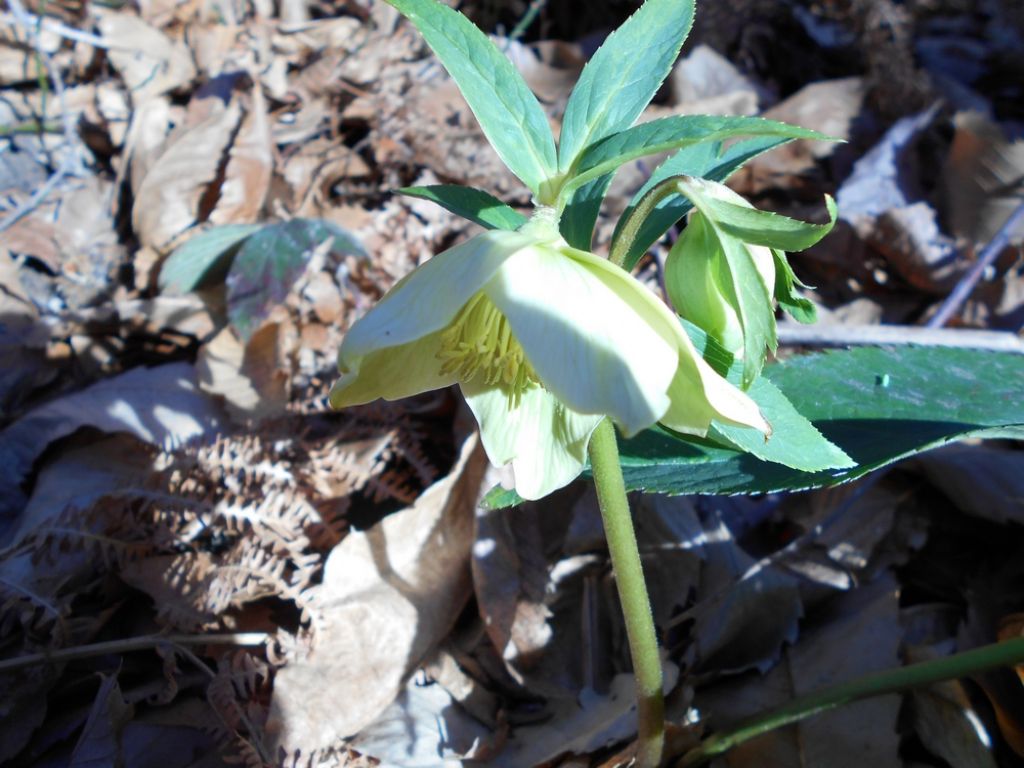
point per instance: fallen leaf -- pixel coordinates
(100, 742)
(983, 179)
(160, 405)
(250, 163)
(168, 198)
(982, 480)
(422, 728)
(389, 594)
(149, 62)
(594, 722)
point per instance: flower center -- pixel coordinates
(480, 342)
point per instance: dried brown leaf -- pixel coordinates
(389, 595)
(168, 199)
(149, 62)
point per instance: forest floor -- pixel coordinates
(202, 564)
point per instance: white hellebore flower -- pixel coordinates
(545, 341)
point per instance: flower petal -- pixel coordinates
(429, 297)
(545, 441)
(697, 393)
(585, 341)
(392, 373)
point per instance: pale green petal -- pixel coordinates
(545, 441)
(392, 373)
(429, 297)
(587, 344)
(699, 286)
(697, 393)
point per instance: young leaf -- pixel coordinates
(799, 308)
(623, 76)
(473, 204)
(764, 227)
(270, 261)
(706, 161)
(670, 133)
(203, 259)
(752, 301)
(508, 112)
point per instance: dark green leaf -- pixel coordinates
(623, 75)
(508, 112)
(795, 442)
(473, 204)
(269, 263)
(204, 259)
(878, 405)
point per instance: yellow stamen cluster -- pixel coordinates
(480, 342)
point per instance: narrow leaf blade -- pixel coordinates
(670, 133)
(508, 112)
(617, 83)
(469, 203)
(766, 228)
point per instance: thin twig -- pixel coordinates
(131, 644)
(794, 334)
(524, 23)
(63, 30)
(967, 283)
(71, 161)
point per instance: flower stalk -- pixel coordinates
(636, 606)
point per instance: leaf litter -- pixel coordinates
(172, 470)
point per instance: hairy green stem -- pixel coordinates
(636, 607)
(897, 680)
(633, 220)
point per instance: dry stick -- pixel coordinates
(966, 285)
(132, 644)
(63, 30)
(71, 162)
(794, 334)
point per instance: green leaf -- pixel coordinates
(764, 227)
(623, 75)
(670, 133)
(508, 112)
(581, 212)
(706, 161)
(469, 203)
(269, 263)
(202, 260)
(877, 405)
(751, 299)
(799, 308)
